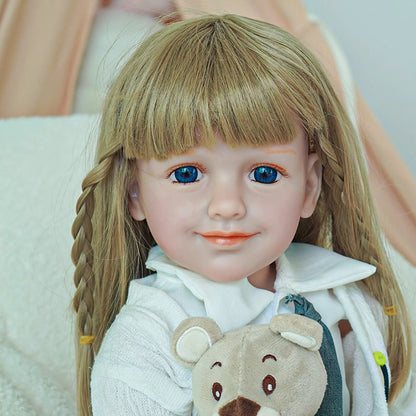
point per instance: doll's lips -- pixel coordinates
(226, 239)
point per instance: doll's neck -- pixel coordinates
(264, 278)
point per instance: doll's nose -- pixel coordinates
(227, 202)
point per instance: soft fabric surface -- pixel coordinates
(42, 163)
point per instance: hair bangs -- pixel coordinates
(200, 83)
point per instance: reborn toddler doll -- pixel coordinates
(228, 177)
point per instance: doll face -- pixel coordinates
(228, 213)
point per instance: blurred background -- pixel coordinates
(378, 37)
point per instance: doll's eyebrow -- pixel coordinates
(217, 363)
(187, 152)
(267, 357)
(273, 151)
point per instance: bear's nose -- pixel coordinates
(240, 407)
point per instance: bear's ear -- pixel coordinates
(192, 338)
(298, 329)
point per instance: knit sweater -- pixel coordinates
(135, 372)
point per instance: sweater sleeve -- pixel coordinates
(135, 373)
(116, 398)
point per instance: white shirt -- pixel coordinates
(136, 371)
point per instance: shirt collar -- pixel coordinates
(302, 268)
(231, 304)
(307, 268)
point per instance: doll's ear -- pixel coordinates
(298, 329)
(192, 338)
(135, 207)
(313, 185)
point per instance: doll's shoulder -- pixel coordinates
(150, 313)
(136, 353)
(154, 307)
(380, 312)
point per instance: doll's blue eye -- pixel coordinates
(265, 174)
(186, 174)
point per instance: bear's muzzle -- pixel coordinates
(240, 406)
(245, 407)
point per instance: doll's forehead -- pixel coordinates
(269, 150)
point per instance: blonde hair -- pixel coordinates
(248, 81)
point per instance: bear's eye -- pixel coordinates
(269, 384)
(217, 391)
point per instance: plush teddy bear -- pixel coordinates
(263, 370)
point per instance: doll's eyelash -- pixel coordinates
(181, 165)
(281, 170)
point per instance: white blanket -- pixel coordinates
(42, 162)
